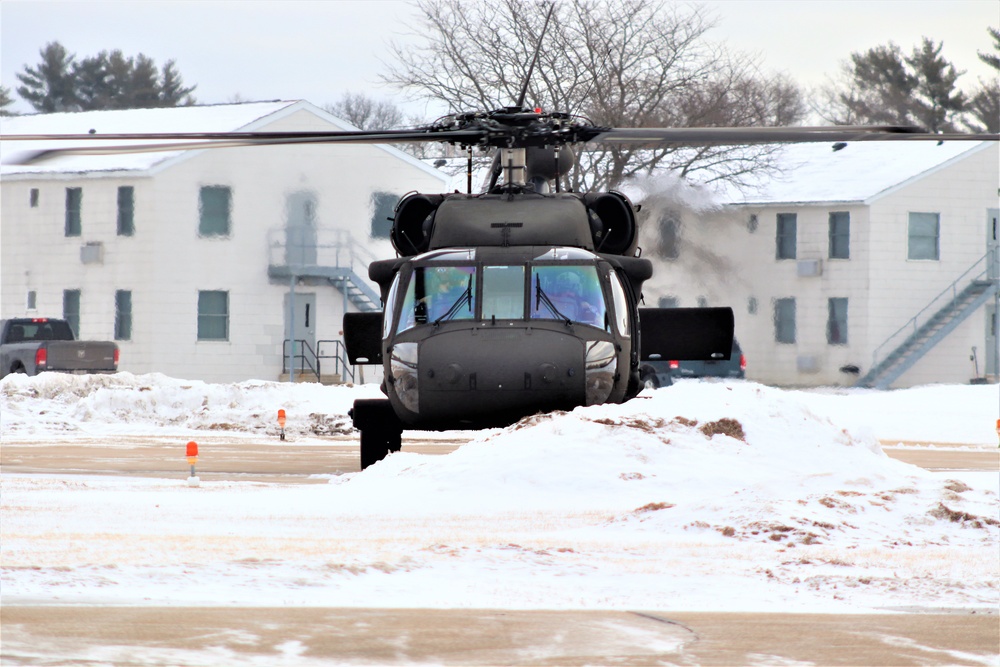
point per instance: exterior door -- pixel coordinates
(300, 325)
(992, 361)
(300, 229)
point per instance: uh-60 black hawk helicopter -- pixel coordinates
(522, 298)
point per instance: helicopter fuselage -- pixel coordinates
(512, 303)
(483, 336)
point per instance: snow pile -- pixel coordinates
(704, 495)
(59, 405)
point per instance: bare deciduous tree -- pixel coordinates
(366, 113)
(619, 63)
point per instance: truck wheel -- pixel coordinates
(381, 430)
(649, 380)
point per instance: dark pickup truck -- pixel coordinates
(656, 374)
(33, 345)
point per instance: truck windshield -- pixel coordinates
(573, 293)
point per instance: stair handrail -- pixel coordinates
(302, 357)
(341, 366)
(911, 326)
(333, 247)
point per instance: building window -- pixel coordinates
(784, 320)
(32, 301)
(123, 315)
(752, 223)
(752, 305)
(924, 236)
(74, 204)
(213, 315)
(787, 223)
(383, 205)
(840, 235)
(670, 235)
(71, 310)
(668, 302)
(126, 210)
(215, 205)
(33, 197)
(836, 322)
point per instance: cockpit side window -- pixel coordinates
(387, 307)
(621, 303)
(561, 292)
(438, 293)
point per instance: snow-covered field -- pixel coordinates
(701, 496)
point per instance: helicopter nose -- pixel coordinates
(517, 369)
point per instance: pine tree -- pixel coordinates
(936, 103)
(984, 107)
(109, 80)
(883, 86)
(992, 59)
(172, 90)
(93, 90)
(5, 101)
(50, 86)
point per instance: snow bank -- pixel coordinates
(704, 495)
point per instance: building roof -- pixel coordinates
(211, 118)
(859, 172)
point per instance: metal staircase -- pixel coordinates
(329, 255)
(932, 324)
(357, 292)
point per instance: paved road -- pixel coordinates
(262, 636)
(259, 459)
(57, 635)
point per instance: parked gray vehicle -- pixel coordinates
(33, 345)
(655, 374)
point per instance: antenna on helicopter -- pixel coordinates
(497, 167)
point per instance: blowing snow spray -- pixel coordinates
(192, 457)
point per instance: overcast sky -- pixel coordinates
(318, 49)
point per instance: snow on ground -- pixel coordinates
(701, 496)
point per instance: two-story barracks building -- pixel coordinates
(191, 260)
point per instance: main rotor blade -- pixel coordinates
(699, 136)
(181, 141)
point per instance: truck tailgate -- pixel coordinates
(81, 355)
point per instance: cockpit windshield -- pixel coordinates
(572, 293)
(438, 293)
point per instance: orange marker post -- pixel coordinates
(192, 457)
(281, 422)
(998, 430)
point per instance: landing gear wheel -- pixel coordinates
(381, 430)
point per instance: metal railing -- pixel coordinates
(303, 354)
(306, 359)
(339, 355)
(302, 247)
(949, 294)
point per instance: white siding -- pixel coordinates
(722, 260)
(166, 262)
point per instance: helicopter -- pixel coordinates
(521, 298)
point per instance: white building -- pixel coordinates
(844, 258)
(188, 258)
